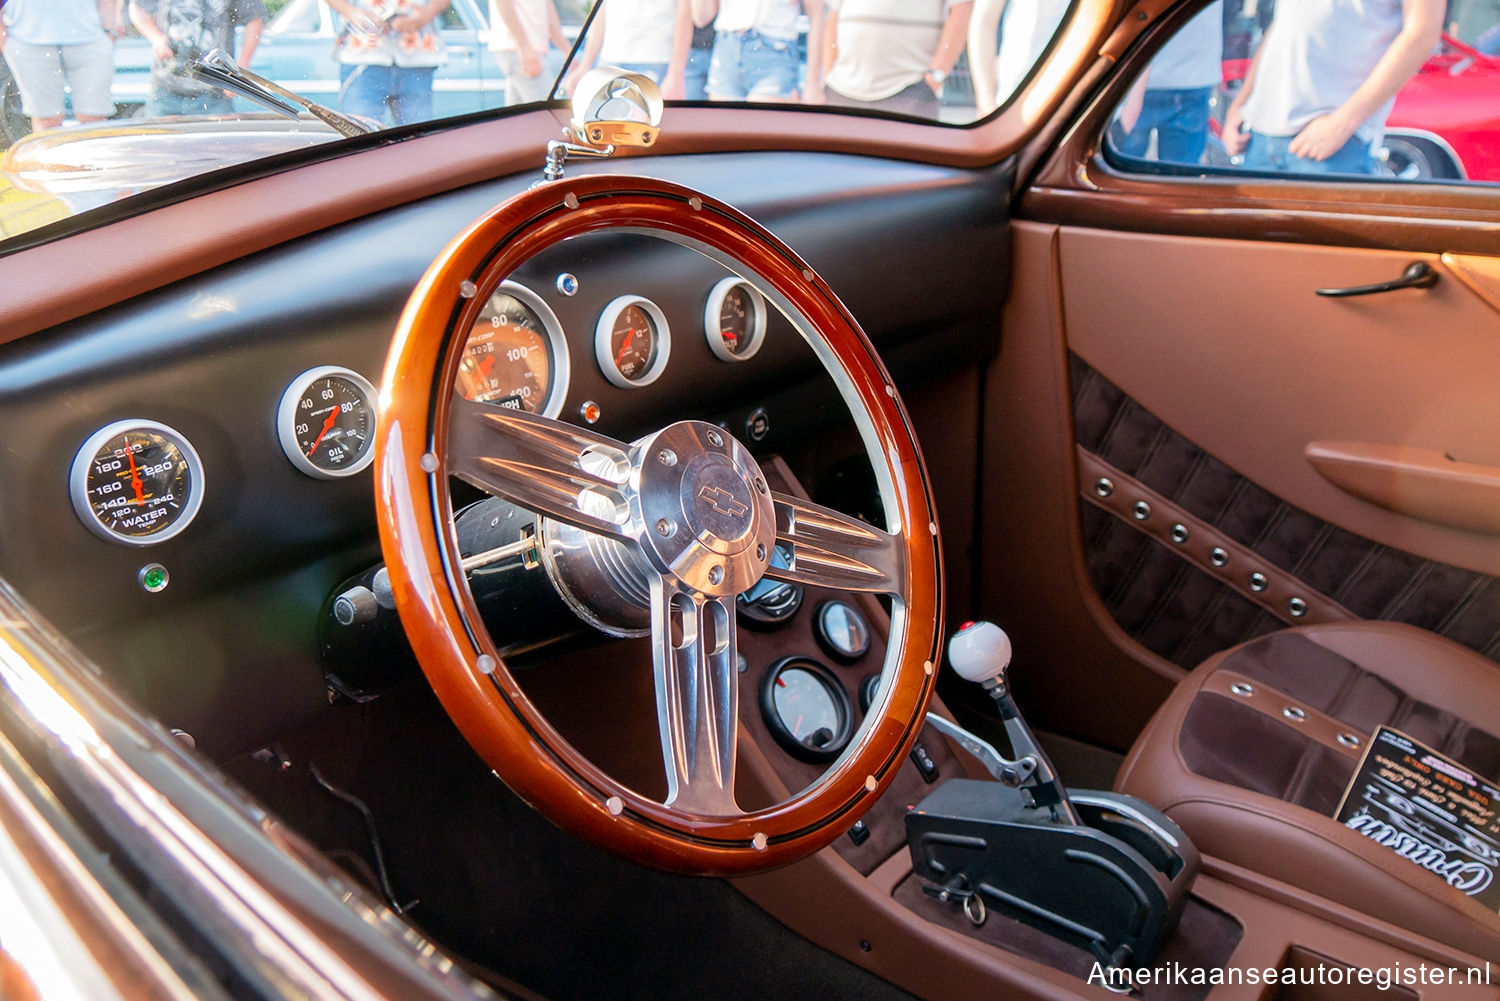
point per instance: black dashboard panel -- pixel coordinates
(229, 649)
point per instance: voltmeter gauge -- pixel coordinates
(136, 482)
(326, 422)
(632, 342)
(734, 319)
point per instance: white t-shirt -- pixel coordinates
(533, 17)
(1315, 55)
(1025, 32)
(638, 31)
(1194, 57)
(53, 22)
(772, 18)
(884, 46)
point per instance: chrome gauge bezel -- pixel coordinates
(78, 481)
(286, 421)
(711, 310)
(604, 333)
(561, 372)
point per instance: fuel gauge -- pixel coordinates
(632, 342)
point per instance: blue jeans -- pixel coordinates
(1273, 153)
(1180, 118)
(369, 90)
(695, 77)
(750, 66)
(163, 102)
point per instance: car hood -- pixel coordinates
(112, 159)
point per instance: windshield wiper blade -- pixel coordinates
(219, 68)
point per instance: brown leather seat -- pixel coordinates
(1255, 786)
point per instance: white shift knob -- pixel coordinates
(979, 651)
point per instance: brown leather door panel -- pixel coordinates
(1194, 374)
(1226, 343)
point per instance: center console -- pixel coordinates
(1227, 934)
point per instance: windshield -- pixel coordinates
(99, 100)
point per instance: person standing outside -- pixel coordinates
(1323, 81)
(51, 44)
(651, 37)
(180, 33)
(755, 54)
(388, 53)
(892, 55)
(1027, 30)
(527, 39)
(1172, 96)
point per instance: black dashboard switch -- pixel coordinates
(924, 763)
(859, 833)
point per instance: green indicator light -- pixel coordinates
(153, 577)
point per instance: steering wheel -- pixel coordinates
(686, 510)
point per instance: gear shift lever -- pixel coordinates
(981, 652)
(1096, 869)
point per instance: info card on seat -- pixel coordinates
(1428, 809)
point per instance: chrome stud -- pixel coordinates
(1104, 486)
(1218, 557)
(1296, 607)
(1294, 713)
(1349, 739)
(667, 457)
(1179, 533)
(715, 439)
(1243, 689)
(1258, 582)
(1141, 510)
(467, 289)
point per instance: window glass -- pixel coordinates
(103, 101)
(1377, 89)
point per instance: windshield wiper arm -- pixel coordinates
(220, 69)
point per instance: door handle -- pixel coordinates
(1418, 274)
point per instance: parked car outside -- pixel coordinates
(1445, 123)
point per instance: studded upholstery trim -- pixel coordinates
(1184, 614)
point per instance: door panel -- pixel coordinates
(1225, 342)
(1194, 374)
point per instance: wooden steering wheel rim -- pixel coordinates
(436, 607)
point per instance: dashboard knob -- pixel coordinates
(355, 606)
(979, 652)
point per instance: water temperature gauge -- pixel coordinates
(326, 422)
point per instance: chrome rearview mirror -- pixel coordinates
(611, 108)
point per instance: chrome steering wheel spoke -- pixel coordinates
(697, 697)
(556, 469)
(830, 549)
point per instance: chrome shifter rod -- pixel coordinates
(981, 652)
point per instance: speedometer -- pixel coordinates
(136, 482)
(515, 355)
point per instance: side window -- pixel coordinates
(1380, 89)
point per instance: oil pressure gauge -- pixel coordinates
(326, 422)
(136, 482)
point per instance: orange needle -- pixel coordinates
(135, 476)
(333, 415)
(625, 346)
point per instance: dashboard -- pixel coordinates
(187, 473)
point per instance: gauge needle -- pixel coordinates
(797, 727)
(625, 346)
(333, 415)
(135, 475)
(485, 366)
(730, 336)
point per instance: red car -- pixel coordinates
(1446, 120)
